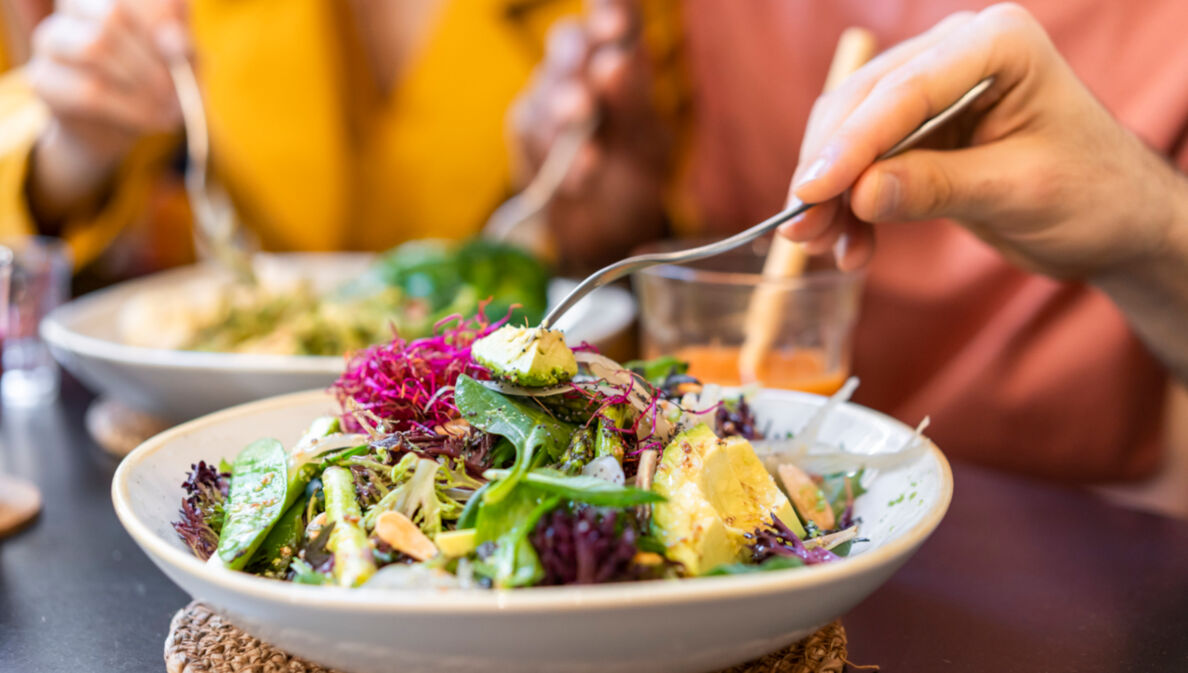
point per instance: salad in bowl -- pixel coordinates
(491, 456)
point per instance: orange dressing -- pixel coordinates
(801, 369)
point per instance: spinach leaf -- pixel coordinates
(773, 563)
(259, 481)
(507, 525)
(469, 515)
(591, 490)
(528, 427)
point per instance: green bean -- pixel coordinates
(353, 562)
(256, 500)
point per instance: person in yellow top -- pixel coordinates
(335, 125)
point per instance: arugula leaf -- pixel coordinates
(528, 427)
(773, 563)
(507, 524)
(581, 488)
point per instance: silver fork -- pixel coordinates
(216, 230)
(629, 265)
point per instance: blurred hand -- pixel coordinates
(1037, 168)
(597, 69)
(101, 68)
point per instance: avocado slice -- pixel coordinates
(716, 491)
(526, 356)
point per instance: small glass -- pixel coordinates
(41, 269)
(702, 313)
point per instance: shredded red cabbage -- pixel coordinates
(409, 385)
(738, 421)
(779, 540)
(202, 510)
(587, 545)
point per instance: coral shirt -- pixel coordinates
(1016, 370)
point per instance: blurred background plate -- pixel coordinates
(175, 385)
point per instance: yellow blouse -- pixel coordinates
(313, 156)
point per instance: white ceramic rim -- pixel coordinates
(536, 599)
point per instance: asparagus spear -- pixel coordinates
(353, 562)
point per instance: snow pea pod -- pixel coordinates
(279, 548)
(353, 561)
(259, 482)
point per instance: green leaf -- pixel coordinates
(527, 427)
(773, 563)
(581, 488)
(469, 515)
(259, 478)
(833, 487)
(507, 524)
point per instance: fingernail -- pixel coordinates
(815, 170)
(840, 247)
(888, 195)
(171, 40)
(789, 229)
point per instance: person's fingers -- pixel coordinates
(566, 49)
(832, 108)
(855, 247)
(917, 90)
(619, 81)
(87, 43)
(113, 47)
(544, 111)
(83, 94)
(612, 22)
(825, 240)
(143, 50)
(813, 223)
(584, 168)
(927, 184)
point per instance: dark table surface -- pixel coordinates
(1021, 576)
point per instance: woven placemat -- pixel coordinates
(201, 641)
(118, 428)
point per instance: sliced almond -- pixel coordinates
(833, 539)
(808, 498)
(404, 536)
(647, 469)
(643, 481)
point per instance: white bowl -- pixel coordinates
(701, 624)
(178, 385)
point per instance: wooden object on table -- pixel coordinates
(201, 641)
(20, 501)
(118, 428)
(786, 259)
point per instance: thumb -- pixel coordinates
(170, 26)
(966, 184)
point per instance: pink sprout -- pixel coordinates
(409, 385)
